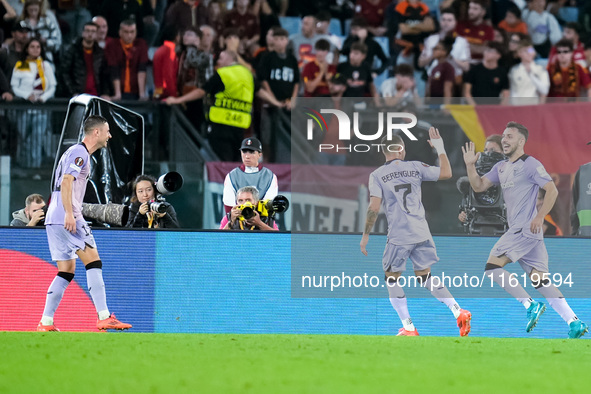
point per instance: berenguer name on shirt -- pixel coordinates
(400, 174)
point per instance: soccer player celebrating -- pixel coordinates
(398, 184)
(520, 177)
(67, 232)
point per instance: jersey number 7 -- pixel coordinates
(407, 187)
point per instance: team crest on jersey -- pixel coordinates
(79, 161)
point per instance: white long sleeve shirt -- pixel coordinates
(24, 81)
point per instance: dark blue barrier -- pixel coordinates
(220, 282)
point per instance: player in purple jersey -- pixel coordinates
(67, 232)
(520, 177)
(398, 184)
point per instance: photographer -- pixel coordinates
(492, 144)
(247, 200)
(147, 209)
(33, 214)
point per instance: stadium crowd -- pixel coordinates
(396, 51)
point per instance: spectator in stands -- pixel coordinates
(193, 65)
(572, 32)
(487, 79)
(528, 81)
(117, 11)
(441, 77)
(414, 25)
(166, 65)
(475, 29)
(542, 26)
(43, 25)
(372, 11)
(127, 59)
(316, 74)
(230, 95)
(261, 51)
(7, 17)
(512, 57)
(186, 13)
(33, 79)
(208, 36)
(361, 34)
(74, 14)
(83, 67)
(11, 53)
(268, 18)
(246, 23)
(567, 78)
(302, 44)
(102, 29)
(250, 173)
(513, 22)
(232, 43)
(322, 28)
(358, 73)
(33, 214)
(460, 52)
(142, 213)
(279, 76)
(400, 91)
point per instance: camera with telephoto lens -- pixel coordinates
(485, 211)
(158, 205)
(246, 211)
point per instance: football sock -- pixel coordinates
(439, 291)
(52, 300)
(399, 303)
(557, 302)
(96, 288)
(501, 277)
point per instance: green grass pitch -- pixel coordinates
(224, 363)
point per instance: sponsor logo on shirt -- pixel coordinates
(507, 185)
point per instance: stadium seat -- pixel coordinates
(290, 23)
(568, 14)
(347, 27)
(335, 27)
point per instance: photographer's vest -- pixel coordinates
(583, 203)
(232, 106)
(261, 180)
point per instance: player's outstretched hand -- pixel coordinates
(436, 141)
(537, 225)
(469, 156)
(363, 243)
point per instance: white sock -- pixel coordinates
(399, 303)
(439, 291)
(407, 324)
(47, 321)
(102, 315)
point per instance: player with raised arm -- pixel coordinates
(398, 184)
(520, 177)
(67, 232)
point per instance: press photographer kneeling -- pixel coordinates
(252, 214)
(149, 209)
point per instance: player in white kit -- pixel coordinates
(68, 234)
(398, 184)
(520, 178)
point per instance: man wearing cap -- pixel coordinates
(250, 173)
(10, 54)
